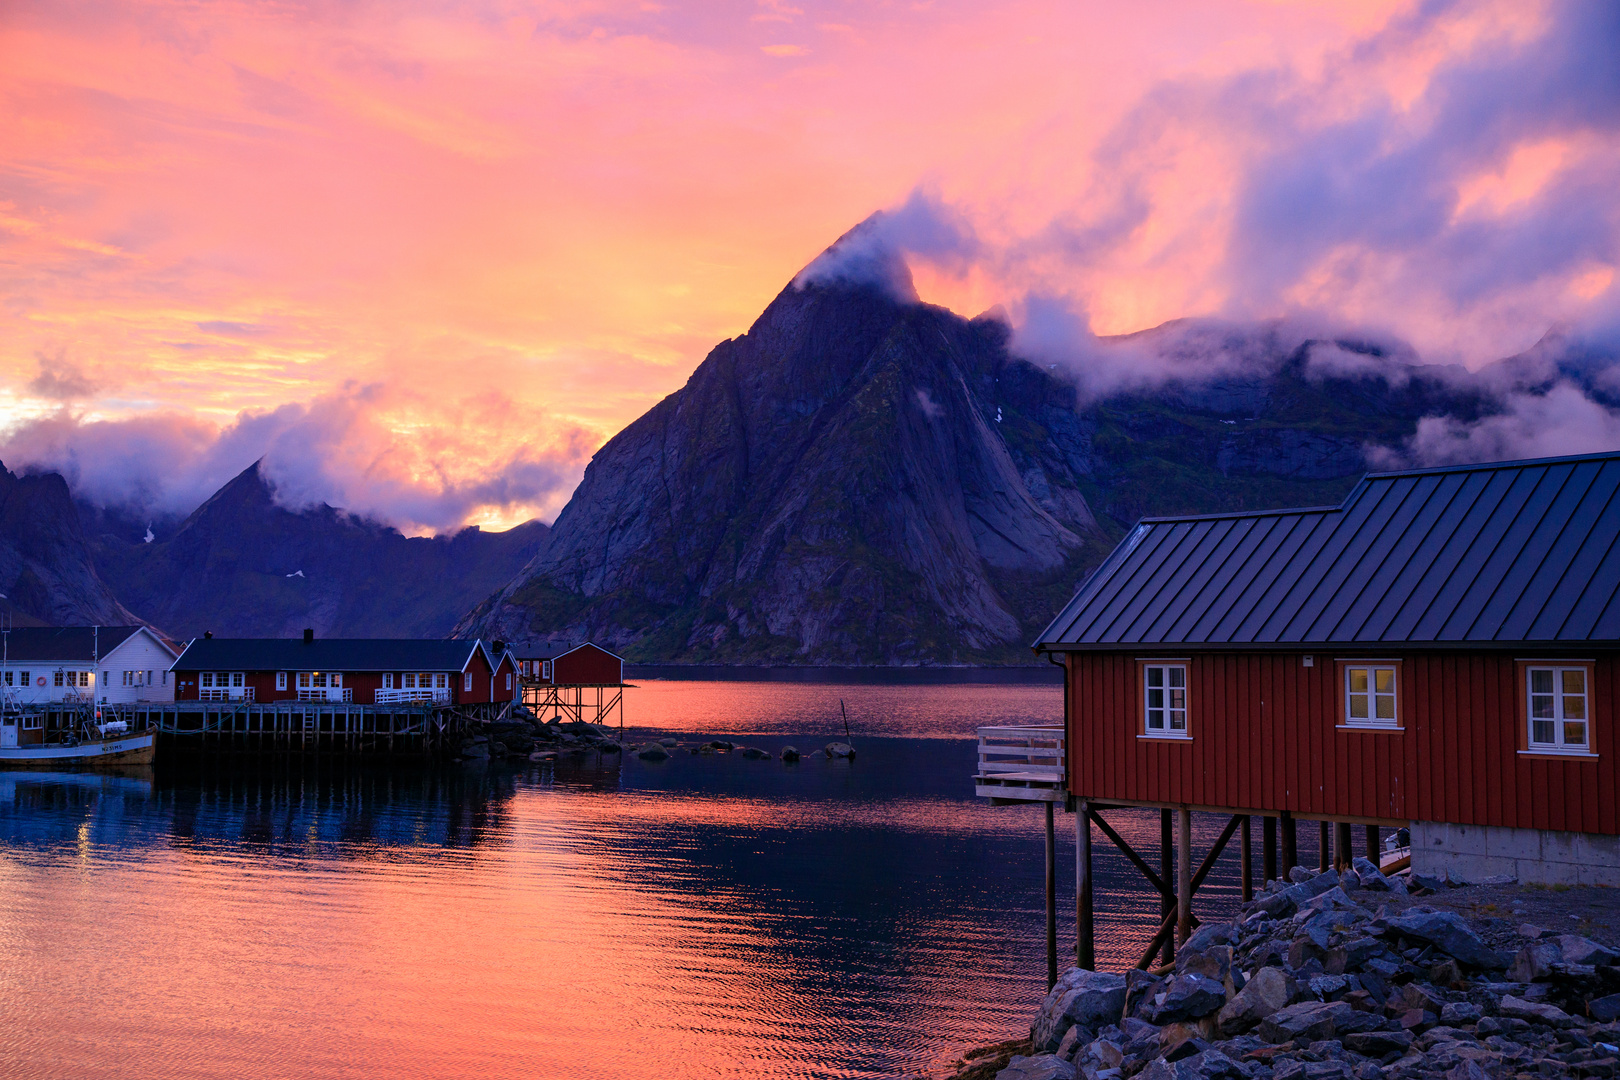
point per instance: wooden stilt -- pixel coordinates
(1246, 858)
(1183, 875)
(1322, 848)
(1268, 849)
(1341, 846)
(1085, 953)
(1167, 868)
(1290, 843)
(1051, 899)
(1374, 848)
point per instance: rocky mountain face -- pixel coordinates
(242, 566)
(865, 479)
(47, 573)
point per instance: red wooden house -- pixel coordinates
(362, 671)
(583, 665)
(1440, 651)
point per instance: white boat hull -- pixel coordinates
(125, 750)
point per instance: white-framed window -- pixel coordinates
(441, 680)
(545, 669)
(22, 678)
(236, 678)
(509, 680)
(306, 679)
(1370, 695)
(206, 679)
(1557, 709)
(1164, 699)
(408, 680)
(106, 678)
(281, 680)
(466, 682)
(388, 680)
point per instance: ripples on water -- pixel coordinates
(700, 917)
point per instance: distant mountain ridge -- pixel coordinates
(863, 478)
(243, 566)
(47, 571)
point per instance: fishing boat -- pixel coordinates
(96, 742)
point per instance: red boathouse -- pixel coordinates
(1441, 651)
(361, 671)
(574, 683)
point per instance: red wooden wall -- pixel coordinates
(1264, 738)
(589, 664)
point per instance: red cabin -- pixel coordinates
(583, 665)
(1440, 651)
(362, 671)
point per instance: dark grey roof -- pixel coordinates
(327, 654)
(63, 644)
(1503, 553)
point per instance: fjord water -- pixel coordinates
(698, 917)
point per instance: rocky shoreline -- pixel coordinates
(1341, 976)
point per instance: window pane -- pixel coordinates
(1178, 721)
(1574, 708)
(1155, 676)
(1385, 680)
(1541, 705)
(1574, 734)
(1178, 699)
(1541, 731)
(1155, 719)
(1574, 681)
(1155, 699)
(1178, 676)
(1386, 706)
(1541, 681)
(1358, 706)
(1358, 680)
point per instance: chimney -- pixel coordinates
(208, 635)
(309, 635)
(500, 647)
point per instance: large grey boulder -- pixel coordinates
(1210, 1064)
(1306, 1022)
(839, 750)
(1447, 931)
(1089, 999)
(1579, 950)
(1270, 990)
(1185, 997)
(1369, 876)
(1039, 1067)
(1536, 1012)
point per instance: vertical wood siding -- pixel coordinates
(1264, 737)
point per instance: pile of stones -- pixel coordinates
(523, 737)
(1332, 977)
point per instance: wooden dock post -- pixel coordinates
(1051, 899)
(1322, 847)
(1290, 843)
(1183, 875)
(1246, 857)
(1341, 846)
(1084, 947)
(1268, 849)
(1167, 872)
(1374, 849)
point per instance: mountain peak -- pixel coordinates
(862, 257)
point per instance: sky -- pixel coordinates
(425, 257)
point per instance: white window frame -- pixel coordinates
(1372, 696)
(545, 670)
(466, 682)
(281, 680)
(441, 680)
(1559, 702)
(509, 680)
(388, 680)
(1167, 672)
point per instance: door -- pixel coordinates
(8, 732)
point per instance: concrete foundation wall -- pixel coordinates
(1529, 856)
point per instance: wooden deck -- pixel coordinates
(1021, 764)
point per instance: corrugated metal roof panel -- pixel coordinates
(63, 644)
(1499, 553)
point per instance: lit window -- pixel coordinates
(1369, 695)
(442, 680)
(1165, 686)
(303, 680)
(84, 678)
(1558, 713)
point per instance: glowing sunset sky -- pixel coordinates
(428, 256)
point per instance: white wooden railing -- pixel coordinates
(1026, 763)
(225, 693)
(333, 694)
(401, 697)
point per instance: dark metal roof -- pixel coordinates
(1497, 554)
(328, 654)
(63, 644)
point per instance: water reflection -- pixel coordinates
(596, 917)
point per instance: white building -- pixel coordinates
(71, 664)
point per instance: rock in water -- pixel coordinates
(840, 749)
(754, 753)
(1090, 999)
(790, 753)
(653, 753)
